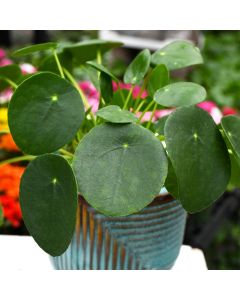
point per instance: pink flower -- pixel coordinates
(6, 95)
(2, 53)
(5, 62)
(229, 111)
(212, 109)
(127, 86)
(27, 69)
(163, 112)
(91, 93)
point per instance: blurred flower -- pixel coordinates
(212, 109)
(7, 143)
(9, 190)
(226, 110)
(4, 61)
(3, 118)
(11, 210)
(6, 95)
(27, 69)
(91, 93)
(124, 86)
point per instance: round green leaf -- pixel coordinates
(87, 50)
(48, 199)
(138, 68)
(35, 48)
(179, 94)
(12, 72)
(102, 69)
(158, 79)
(231, 127)
(45, 113)
(120, 168)
(115, 114)
(177, 55)
(199, 157)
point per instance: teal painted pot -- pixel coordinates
(150, 239)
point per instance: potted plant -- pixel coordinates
(94, 179)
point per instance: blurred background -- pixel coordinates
(216, 230)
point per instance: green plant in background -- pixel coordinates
(221, 74)
(117, 163)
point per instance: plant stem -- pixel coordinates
(85, 101)
(13, 84)
(151, 117)
(139, 107)
(58, 63)
(63, 151)
(128, 97)
(99, 57)
(17, 159)
(145, 82)
(145, 110)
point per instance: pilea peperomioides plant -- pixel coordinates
(111, 158)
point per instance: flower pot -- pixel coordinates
(150, 239)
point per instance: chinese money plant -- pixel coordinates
(111, 158)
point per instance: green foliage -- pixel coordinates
(48, 197)
(35, 48)
(179, 94)
(231, 127)
(115, 114)
(138, 68)
(120, 168)
(88, 50)
(220, 74)
(45, 113)
(9, 72)
(199, 157)
(159, 78)
(177, 55)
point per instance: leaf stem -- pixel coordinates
(151, 117)
(84, 98)
(145, 110)
(63, 151)
(128, 97)
(58, 64)
(13, 84)
(17, 159)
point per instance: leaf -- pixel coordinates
(88, 50)
(234, 181)
(45, 113)
(158, 79)
(49, 63)
(106, 87)
(120, 168)
(102, 69)
(12, 72)
(48, 199)
(231, 128)
(115, 114)
(35, 48)
(159, 126)
(177, 55)
(179, 94)
(138, 68)
(199, 157)
(171, 182)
